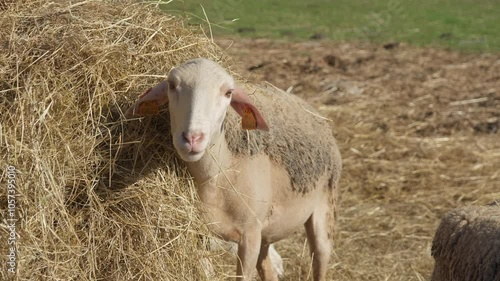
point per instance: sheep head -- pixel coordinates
(198, 93)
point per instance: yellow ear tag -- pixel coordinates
(148, 108)
(248, 121)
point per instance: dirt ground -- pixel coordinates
(419, 133)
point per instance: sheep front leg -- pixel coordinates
(248, 253)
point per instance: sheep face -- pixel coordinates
(199, 95)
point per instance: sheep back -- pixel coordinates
(467, 245)
(298, 140)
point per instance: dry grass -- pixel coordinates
(98, 198)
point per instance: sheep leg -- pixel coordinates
(248, 253)
(276, 261)
(319, 243)
(265, 265)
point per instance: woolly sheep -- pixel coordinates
(259, 184)
(467, 245)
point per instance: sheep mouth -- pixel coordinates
(195, 152)
(192, 155)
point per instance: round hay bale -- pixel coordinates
(467, 245)
(96, 197)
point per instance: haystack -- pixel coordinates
(97, 197)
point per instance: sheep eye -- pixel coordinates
(229, 93)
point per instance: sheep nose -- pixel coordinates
(192, 138)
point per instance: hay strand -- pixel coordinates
(98, 198)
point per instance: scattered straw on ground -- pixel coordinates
(419, 134)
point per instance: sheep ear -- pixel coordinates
(150, 101)
(251, 117)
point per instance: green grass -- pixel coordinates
(460, 24)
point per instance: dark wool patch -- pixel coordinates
(467, 245)
(298, 140)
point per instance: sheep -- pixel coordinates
(256, 185)
(467, 245)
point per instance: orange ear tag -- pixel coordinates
(248, 121)
(146, 92)
(148, 108)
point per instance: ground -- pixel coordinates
(418, 129)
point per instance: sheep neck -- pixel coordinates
(215, 161)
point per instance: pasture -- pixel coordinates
(463, 24)
(99, 197)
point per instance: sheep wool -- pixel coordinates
(467, 245)
(299, 139)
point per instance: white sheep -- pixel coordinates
(256, 185)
